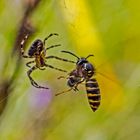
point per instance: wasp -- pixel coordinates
(84, 72)
(37, 51)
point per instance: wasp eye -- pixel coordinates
(88, 67)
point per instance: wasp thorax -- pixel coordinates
(36, 47)
(72, 81)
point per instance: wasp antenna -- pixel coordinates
(70, 53)
(89, 56)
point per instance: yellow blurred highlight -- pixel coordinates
(87, 41)
(81, 27)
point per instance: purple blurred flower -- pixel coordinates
(39, 99)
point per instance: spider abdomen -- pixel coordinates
(32, 50)
(36, 47)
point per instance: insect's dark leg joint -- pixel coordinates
(31, 79)
(75, 88)
(29, 73)
(27, 64)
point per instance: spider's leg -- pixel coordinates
(53, 46)
(21, 47)
(27, 64)
(50, 36)
(58, 58)
(42, 68)
(31, 79)
(46, 65)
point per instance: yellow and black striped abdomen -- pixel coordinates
(93, 93)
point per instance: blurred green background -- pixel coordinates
(109, 30)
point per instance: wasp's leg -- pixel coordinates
(60, 77)
(75, 88)
(81, 81)
(50, 36)
(76, 85)
(63, 92)
(46, 65)
(31, 79)
(27, 64)
(58, 58)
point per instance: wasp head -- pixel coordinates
(88, 69)
(81, 61)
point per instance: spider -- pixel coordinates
(38, 51)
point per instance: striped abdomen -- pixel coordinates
(93, 93)
(36, 47)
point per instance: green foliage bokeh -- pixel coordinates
(109, 30)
